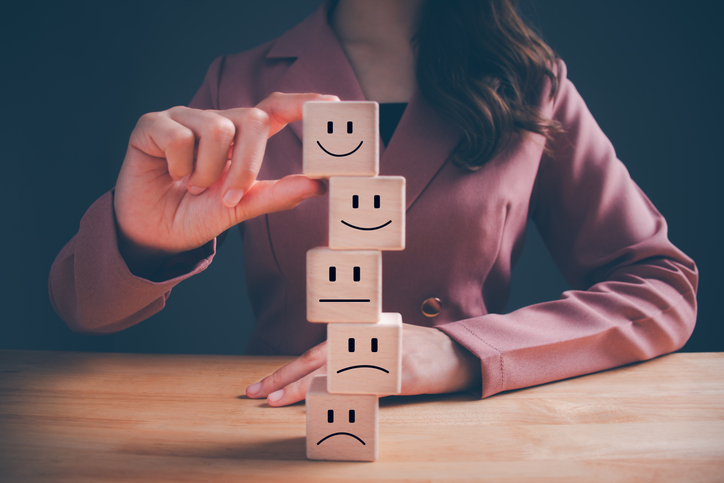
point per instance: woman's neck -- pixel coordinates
(376, 36)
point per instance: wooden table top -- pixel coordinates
(117, 417)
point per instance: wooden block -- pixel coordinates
(344, 286)
(340, 427)
(341, 139)
(365, 358)
(367, 213)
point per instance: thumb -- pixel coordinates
(278, 195)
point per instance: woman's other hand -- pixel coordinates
(190, 174)
(432, 363)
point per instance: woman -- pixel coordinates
(493, 134)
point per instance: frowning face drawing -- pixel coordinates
(340, 139)
(367, 213)
(365, 358)
(340, 426)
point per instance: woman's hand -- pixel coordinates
(431, 363)
(190, 174)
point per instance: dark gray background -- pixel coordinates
(76, 77)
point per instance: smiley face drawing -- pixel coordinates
(367, 213)
(340, 427)
(340, 139)
(365, 358)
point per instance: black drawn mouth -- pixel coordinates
(341, 434)
(364, 366)
(365, 229)
(344, 300)
(341, 155)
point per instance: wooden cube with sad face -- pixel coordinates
(340, 427)
(365, 358)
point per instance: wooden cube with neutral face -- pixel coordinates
(365, 358)
(340, 427)
(340, 139)
(344, 286)
(367, 213)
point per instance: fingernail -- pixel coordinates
(254, 388)
(276, 395)
(232, 197)
(328, 98)
(195, 190)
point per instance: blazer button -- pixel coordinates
(431, 307)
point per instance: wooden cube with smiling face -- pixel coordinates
(367, 213)
(340, 139)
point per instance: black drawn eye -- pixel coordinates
(332, 274)
(349, 127)
(355, 201)
(351, 415)
(374, 344)
(377, 201)
(330, 127)
(350, 344)
(330, 415)
(356, 274)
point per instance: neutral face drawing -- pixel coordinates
(365, 358)
(343, 286)
(340, 139)
(367, 212)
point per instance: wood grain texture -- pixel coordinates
(344, 285)
(340, 427)
(80, 417)
(365, 358)
(341, 139)
(367, 213)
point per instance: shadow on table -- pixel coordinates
(277, 449)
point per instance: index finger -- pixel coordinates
(284, 108)
(253, 127)
(297, 369)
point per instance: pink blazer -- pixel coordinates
(634, 293)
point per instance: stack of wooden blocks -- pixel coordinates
(344, 280)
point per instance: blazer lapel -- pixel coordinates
(422, 140)
(419, 146)
(321, 65)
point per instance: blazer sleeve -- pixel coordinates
(634, 293)
(90, 285)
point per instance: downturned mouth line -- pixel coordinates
(340, 434)
(363, 228)
(364, 366)
(340, 155)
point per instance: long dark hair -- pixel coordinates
(482, 68)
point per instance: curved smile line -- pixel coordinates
(341, 434)
(365, 229)
(363, 366)
(340, 155)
